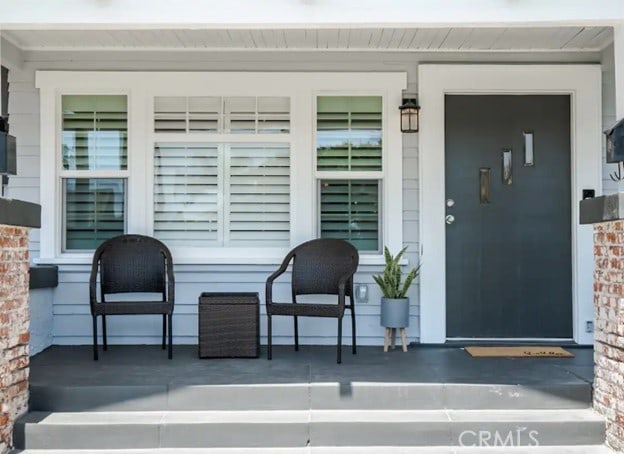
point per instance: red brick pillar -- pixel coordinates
(609, 328)
(14, 329)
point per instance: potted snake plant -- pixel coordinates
(395, 303)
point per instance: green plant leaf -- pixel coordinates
(390, 281)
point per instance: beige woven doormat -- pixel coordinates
(519, 352)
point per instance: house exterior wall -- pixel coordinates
(71, 319)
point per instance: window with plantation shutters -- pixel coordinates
(225, 167)
(349, 164)
(94, 169)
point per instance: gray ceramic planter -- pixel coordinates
(395, 312)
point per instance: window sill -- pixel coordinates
(86, 259)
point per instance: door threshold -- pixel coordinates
(460, 342)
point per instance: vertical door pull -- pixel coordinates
(507, 166)
(484, 185)
(528, 149)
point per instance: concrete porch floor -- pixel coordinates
(148, 365)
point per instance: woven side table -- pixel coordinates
(229, 325)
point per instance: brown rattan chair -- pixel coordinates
(132, 264)
(319, 267)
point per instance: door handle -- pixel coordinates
(449, 219)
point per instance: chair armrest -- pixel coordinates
(93, 281)
(269, 282)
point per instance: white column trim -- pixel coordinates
(618, 54)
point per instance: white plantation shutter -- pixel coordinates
(349, 133)
(350, 211)
(215, 114)
(95, 132)
(259, 195)
(94, 211)
(222, 195)
(186, 194)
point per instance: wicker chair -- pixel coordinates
(132, 264)
(319, 267)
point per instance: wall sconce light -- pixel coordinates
(409, 115)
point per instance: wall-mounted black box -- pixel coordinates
(8, 161)
(615, 142)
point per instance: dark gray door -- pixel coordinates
(508, 259)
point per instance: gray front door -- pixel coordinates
(508, 249)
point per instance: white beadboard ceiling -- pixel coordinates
(361, 39)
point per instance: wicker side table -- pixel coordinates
(229, 325)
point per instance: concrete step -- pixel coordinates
(337, 396)
(587, 449)
(300, 429)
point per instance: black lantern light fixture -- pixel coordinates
(409, 115)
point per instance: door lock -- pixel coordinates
(450, 202)
(449, 219)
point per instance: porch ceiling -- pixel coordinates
(359, 39)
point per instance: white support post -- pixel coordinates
(618, 53)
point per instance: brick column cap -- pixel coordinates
(605, 208)
(20, 213)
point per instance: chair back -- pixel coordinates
(319, 264)
(133, 263)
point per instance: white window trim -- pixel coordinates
(141, 87)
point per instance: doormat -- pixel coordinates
(534, 351)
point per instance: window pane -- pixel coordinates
(349, 133)
(259, 195)
(95, 210)
(350, 211)
(95, 131)
(186, 194)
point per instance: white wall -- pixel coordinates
(72, 322)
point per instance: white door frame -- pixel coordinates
(583, 84)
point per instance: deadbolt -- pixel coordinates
(449, 219)
(450, 202)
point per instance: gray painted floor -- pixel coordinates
(148, 365)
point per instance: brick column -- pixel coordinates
(609, 328)
(14, 329)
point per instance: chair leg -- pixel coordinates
(170, 326)
(339, 359)
(269, 339)
(353, 337)
(164, 331)
(296, 334)
(95, 347)
(104, 338)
